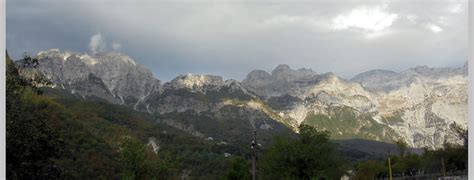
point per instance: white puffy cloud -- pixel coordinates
(435, 28)
(370, 19)
(97, 43)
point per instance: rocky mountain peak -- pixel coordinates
(373, 73)
(282, 67)
(115, 56)
(383, 80)
(192, 81)
(114, 75)
(204, 84)
(422, 69)
(100, 58)
(257, 78)
(283, 72)
(306, 70)
(50, 53)
(331, 77)
(282, 80)
(257, 75)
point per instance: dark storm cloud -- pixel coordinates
(233, 37)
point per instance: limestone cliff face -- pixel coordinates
(427, 100)
(417, 105)
(282, 80)
(112, 76)
(198, 93)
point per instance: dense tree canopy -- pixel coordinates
(239, 169)
(32, 141)
(311, 156)
(406, 164)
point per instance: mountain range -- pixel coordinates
(417, 105)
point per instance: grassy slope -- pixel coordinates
(344, 123)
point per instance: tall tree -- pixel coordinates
(141, 163)
(240, 169)
(402, 146)
(133, 155)
(311, 156)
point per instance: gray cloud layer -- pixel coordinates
(233, 37)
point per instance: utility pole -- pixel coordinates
(443, 166)
(254, 156)
(389, 168)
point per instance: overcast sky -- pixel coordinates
(233, 37)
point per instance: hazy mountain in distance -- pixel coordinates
(384, 80)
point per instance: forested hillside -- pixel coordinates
(55, 134)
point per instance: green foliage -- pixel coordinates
(141, 163)
(239, 169)
(409, 164)
(230, 124)
(393, 120)
(86, 156)
(405, 164)
(311, 156)
(179, 152)
(32, 141)
(455, 158)
(370, 169)
(344, 123)
(402, 146)
(132, 154)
